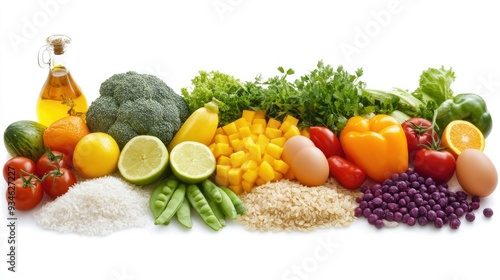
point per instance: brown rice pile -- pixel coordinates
(289, 206)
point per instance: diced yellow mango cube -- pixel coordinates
(262, 141)
(220, 130)
(274, 150)
(272, 133)
(224, 160)
(267, 157)
(237, 189)
(285, 126)
(222, 149)
(235, 176)
(233, 136)
(260, 182)
(266, 171)
(237, 145)
(281, 166)
(245, 131)
(230, 128)
(247, 186)
(280, 141)
(248, 115)
(250, 175)
(261, 121)
(238, 158)
(249, 164)
(254, 152)
(258, 128)
(260, 115)
(293, 131)
(221, 138)
(248, 141)
(277, 176)
(305, 132)
(273, 123)
(222, 174)
(291, 119)
(241, 122)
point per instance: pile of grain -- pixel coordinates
(289, 206)
(96, 207)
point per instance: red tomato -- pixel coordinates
(12, 168)
(345, 172)
(58, 183)
(439, 165)
(49, 161)
(418, 132)
(325, 140)
(24, 193)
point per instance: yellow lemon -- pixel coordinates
(96, 155)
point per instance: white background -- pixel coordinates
(393, 41)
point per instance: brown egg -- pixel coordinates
(310, 166)
(476, 173)
(293, 145)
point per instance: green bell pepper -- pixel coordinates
(466, 106)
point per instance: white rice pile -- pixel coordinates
(289, 206)
(98, 206)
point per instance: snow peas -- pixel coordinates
(173, 205)
(227, 206)
(211, 190)
(183, 215)
(217, 211)
(235, 199)
(200, 204)
(161, 195)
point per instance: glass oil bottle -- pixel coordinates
(60, 95)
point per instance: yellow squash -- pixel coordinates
(200, 126)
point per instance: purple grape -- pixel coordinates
(414, 212)
(438, 223)
(475, 198)
(372, 218)
(393, 207)
(459, 211)
(398, 217)
(488, 212)
(455, 223)
(379, 224)
(431, 215)
(470, 216)
(422, 221)
(377, 201)
(367, 212)
(411, 221)
(474, 205)
(378, 212)
(358, 212)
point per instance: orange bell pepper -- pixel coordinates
(376, 145)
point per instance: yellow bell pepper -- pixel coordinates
(200, 126)
(376, 145)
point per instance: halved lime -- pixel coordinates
(192, 162)
(143, 160)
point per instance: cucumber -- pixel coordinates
(25, 138)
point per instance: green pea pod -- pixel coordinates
(235, 199)
(173, 205)
(217, 211)
(466, 106)
(200, 204)
(227, 206)
(161, 195)
(211, 190)
(183, 215)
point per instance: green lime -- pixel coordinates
(192, 162)
(143, 160)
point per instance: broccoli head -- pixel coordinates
(131, 104)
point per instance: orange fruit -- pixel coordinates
(63, 134)
(459, 135)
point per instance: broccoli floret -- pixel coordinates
(132, 104)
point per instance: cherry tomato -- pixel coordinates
(58, 182)
(12, 168)
(439, 165)
(418, 132)
(325, 140)
(24, 193)
(345, 172)
(49, 161)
